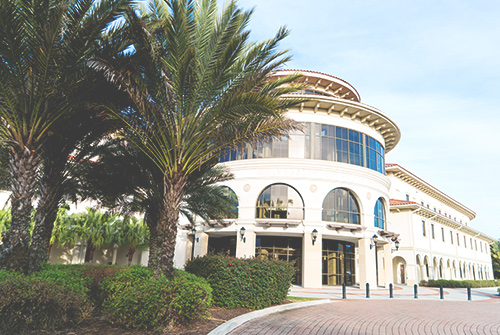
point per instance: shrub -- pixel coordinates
(30, 303)
(459, 283)
(248, 283)
(134, 300)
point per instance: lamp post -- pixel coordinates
(193, 233)
(375, 240)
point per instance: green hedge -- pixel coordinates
(459, 283)
(62, 295)
(31, 303)
(249, 283)
(134, 300)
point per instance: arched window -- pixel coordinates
(341, 206)
(233, 211)
(280, 201)
(379, 214)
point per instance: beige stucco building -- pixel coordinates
(323, 196)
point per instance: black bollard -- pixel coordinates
(367, 290)
(415, 291)
(441, 293)
(390, 291)
(344, 291)
(469, 293)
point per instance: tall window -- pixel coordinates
(280, 201)
(341, 206)
(451, 237)
(442, 233)
(374, 155)
(423, 228)
(432, 230)
(378, 213)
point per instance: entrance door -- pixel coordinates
(338, 263)
(402, 269)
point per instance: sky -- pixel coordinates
(431, 66)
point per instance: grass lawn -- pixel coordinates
(299, 299)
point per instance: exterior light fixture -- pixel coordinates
(242, 234)
(314, 235)
(397, 246)
(375, 240)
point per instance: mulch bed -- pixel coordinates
(99, 326)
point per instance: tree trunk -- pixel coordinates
(89, 253)
(167, 229)
(15, 247)
(46, 214)
(131, 252)
(151, 218)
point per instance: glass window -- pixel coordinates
(374, 155)
(340, 205)
(451, 237)
(379, 214)
(432, 230)
(280, 201)
(423, 228)
(233, 212)
(407, 197)
(442, 233)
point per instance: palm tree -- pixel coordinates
(127, 181)
(206, 88)
(43, 52)
(134, 234)
(495, 258)
(4, 167)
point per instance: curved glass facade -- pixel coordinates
(340, 205)
(319, 141)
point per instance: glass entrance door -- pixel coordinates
(288, 249)
(338, 263)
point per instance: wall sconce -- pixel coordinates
(375, 240)
(397, 246)
(242, 234)
(314, 235)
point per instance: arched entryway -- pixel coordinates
(399, 270)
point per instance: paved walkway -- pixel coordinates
(379, 314)
(375, 316)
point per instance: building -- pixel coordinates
(326, 199)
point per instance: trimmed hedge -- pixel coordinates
(62, 295)
(134, 300)
(459, 283)
(248, 283)
(31, 303)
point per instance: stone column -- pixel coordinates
(201, 244)
(388, 271)
(245, 247)
(311, 261)
(366, 263)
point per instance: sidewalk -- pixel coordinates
(400, 292)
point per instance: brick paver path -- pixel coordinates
(390, 317)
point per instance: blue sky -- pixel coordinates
(432, 66)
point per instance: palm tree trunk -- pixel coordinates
(131, 252)
(46, 214)
(151, 218)
(15, 247)
(167, 229)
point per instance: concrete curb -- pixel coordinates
(234, 323)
